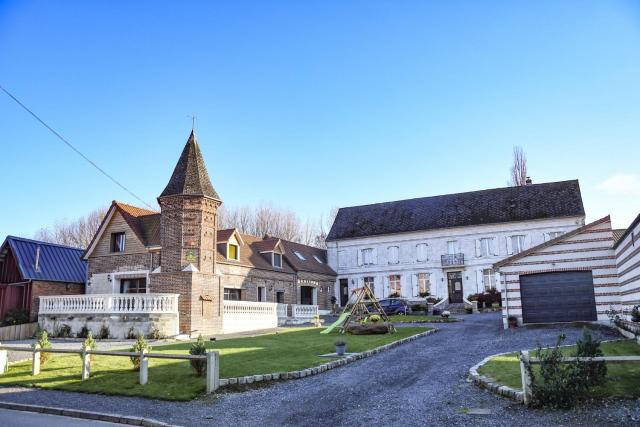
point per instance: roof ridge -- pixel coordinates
(41, 242)
(136, 207)
(460, 193)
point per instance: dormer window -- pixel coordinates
(117, 242)
(233, 252)
(300, 256)
(277, 260)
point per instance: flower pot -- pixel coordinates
(340, 349)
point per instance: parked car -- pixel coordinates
(392, 306)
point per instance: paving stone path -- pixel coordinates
(422, 382)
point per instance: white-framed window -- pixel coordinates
(395, 288)
(300, 256)
(488, 279)
(233, 252)
(232, 294)
(517, 243)
(394, 255)
(367, 256)
(342, 259)
(424, 283)
(422, 252)
(484, 247)
(261, 294)
(277, 260)
(453, 247)
(370, 282)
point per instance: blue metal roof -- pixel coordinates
(57, 263)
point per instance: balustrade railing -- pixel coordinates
(109, 303)
(300, 311)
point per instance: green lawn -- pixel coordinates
(399, 318)
(622, 379)
(175, 380)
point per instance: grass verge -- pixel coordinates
(175, 380)
(622, 379)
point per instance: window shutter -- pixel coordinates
(527, 242)
(478, 248)
(427, 249)
(496, 246)
(480, 281)
(414, 285)
(509, 245)
(546, 237)
(360, 256)
(374, 256)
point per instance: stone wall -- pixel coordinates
(119, 325)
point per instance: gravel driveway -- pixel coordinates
(422, 382)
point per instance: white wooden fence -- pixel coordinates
(526, 358)
(109, 303)
(212, 358)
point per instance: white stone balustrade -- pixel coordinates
(109, 303)
(282, 310)
(244, 316)
(299, 311)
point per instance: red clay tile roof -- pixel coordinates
(144, 222)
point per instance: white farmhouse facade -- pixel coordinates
(446, 245)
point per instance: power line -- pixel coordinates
(76, 150)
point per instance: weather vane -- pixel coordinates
(193, 121)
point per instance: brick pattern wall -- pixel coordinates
(117, 224)
(627, 254)
(589, 250)
(41, 289)
(119, 262)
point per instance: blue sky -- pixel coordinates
(312, 105)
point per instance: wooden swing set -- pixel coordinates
(366, 305)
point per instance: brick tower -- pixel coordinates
(188, 207)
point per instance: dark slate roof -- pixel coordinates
(57, 263)
(530, 202)
(190, 177)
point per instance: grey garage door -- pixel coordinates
(558, 297)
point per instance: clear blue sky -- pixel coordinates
(317, 104)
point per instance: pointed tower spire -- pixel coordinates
(190, 177)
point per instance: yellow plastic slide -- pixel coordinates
(335, 324)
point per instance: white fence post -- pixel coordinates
(526, 377)
(4, 361)
(35, 360)
(213, 371)
(144, 367)
(86, 364)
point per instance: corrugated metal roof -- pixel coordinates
(56, 263)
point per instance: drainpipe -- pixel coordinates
(506, 295)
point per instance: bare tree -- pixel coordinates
(266, 219)
(77, 233)
(518, 168)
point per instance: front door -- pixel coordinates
(306, 295)
(344, 292)
(454, 278)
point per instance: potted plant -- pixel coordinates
(512, 322)
(635, 314)
(424, 294)
(341, 347)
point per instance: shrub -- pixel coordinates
(394, 295)
(104, 332)
(424, 294)
(433, 300)
(560, 384)
(138, 346)
(63, 331)
(84, 332)
(593, 373)
(155, 334)
(635, 313)
(43, 342)
(198, 348)
(15, 316)
(418, 307)
(89, 344)
(131, 335)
